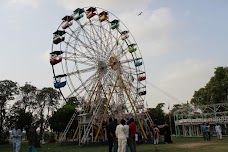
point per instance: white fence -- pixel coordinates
(223, 119)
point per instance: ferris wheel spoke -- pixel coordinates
(117, 47)
(92, 40)
(111, 42)
(91, 36)
(88, 81)
(77, 60)
(102, 33)
(82, 71)
(119, 95)
(129, 70)
(114, 40)
(87, 47)
(81, 53)
(132, 70)
(105, 39)
(98, 39)
(87, 89)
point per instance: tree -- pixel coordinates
(22, 118)
(170, 116)
(61, 118)
(27, 93)
(8, 89)
(215, 91)
(157, 114)
(47, 98)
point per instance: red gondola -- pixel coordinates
(90, 12)
(55, 57)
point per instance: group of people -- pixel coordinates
(156, 134)
(33, 139)
(121, 136)
(206, 129)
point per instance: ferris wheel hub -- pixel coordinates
(114, 63)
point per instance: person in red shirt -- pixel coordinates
(132, 132)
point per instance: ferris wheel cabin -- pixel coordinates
(57, 81)
(103, 16)
(78, 13)
(131, 48)
(67, 22)
(55, 57)
(58, 36)
(124, 35)
(90, 12)
(114, 24)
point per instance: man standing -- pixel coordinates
(33, 140)
(218, 131)
(120, 134)
(16, 135)
(132, 128)
(114, 125)
(208, 131)
(204, 130)
(126, 131)
(109, 134)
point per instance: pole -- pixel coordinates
(170, 125)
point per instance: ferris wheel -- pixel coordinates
(96, 59)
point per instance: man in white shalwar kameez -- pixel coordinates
(126, 131)
(120, 134)
(218, 131)
(16, 135)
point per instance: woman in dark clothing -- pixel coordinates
(33, 140)
(167, 135)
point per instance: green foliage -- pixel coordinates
(4, 138)
(61, 117)
(46, 136)
(215, 91)
(28, 89)
(157, 114)
(8, 89)
(28, 94)
(23, 118)
(47, 98)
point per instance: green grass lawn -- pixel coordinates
(179, 145)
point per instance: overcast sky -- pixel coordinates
(181, 41)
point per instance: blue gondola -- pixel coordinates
(138, 64)
(58, 84)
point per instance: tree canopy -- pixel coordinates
(215, 91)
(8, 89)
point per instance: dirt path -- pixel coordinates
(192, 145)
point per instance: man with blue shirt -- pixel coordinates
(204, 130)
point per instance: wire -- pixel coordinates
(164, 92)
